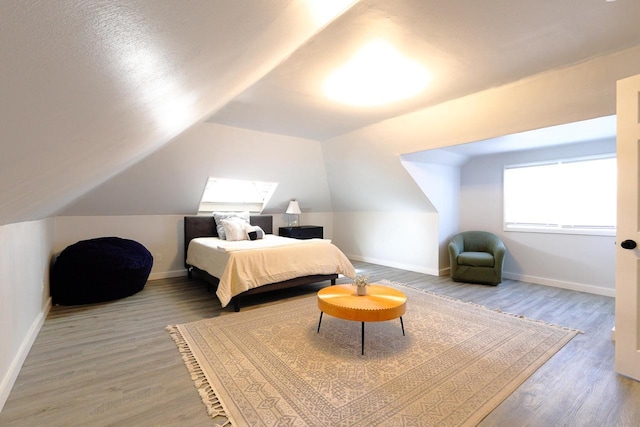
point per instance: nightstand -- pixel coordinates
(302, 232)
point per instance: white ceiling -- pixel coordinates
(89, 88)
(468, 46)
(569, 133)
(596, 129)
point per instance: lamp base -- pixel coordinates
(293, 221)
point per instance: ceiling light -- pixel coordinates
(377, 74)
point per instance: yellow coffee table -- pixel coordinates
(379, 304)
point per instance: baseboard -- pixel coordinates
(445, 272)
(393, 264)
(12, 374)
(590, 289)
(168, 274)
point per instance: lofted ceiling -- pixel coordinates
(467, 46)
(600, 128)
(90, 87)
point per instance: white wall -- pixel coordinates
(441, 184)
(171, 180)
(25, 254)
(396, 239)
(162, 235)
(363, 167)
(578, 262)
(380, 214)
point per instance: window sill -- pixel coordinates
(561, 230)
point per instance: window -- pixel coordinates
(575, 196)
(222, 194)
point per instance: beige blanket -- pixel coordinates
(245, 266)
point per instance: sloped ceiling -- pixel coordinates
(468, 46)
(171, 180)
(88, 88)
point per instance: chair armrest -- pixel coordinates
(499, 253)
(456, 246)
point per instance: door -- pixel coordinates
(627, 335)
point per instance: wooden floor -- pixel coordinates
(114, 364)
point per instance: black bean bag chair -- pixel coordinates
(101, 269)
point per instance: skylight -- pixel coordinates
(221, 194)
(377, 74)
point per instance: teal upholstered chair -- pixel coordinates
(476, 257)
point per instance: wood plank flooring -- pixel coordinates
(114, 364)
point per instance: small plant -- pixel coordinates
(361, 281)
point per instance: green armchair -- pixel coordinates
(476, 257)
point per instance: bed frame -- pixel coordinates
(205, 226)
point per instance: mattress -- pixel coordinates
(247, 264)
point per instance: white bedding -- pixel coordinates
(268, 241)
(246, 264)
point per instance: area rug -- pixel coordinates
(270, 367)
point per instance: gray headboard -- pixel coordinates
(205, 226)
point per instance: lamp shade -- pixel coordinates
(294, 208)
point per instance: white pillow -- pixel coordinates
(220, 216)
(234, 229)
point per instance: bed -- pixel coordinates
(243, 268)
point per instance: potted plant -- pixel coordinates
(361, 283)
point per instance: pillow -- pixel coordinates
(219, 216)
(234, 229)
(254, 233)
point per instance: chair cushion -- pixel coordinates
(476, 259)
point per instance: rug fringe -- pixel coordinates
(497, 310)
(207, 394)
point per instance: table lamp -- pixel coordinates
(293, 209)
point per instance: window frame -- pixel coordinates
(247, 205)
(554, 228)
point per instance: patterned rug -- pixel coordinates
(270, 367)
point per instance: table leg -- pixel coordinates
(402, 324)
(363, 338)
(320, 321)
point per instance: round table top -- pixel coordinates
(379, 304)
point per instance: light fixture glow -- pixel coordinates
(377, 74)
